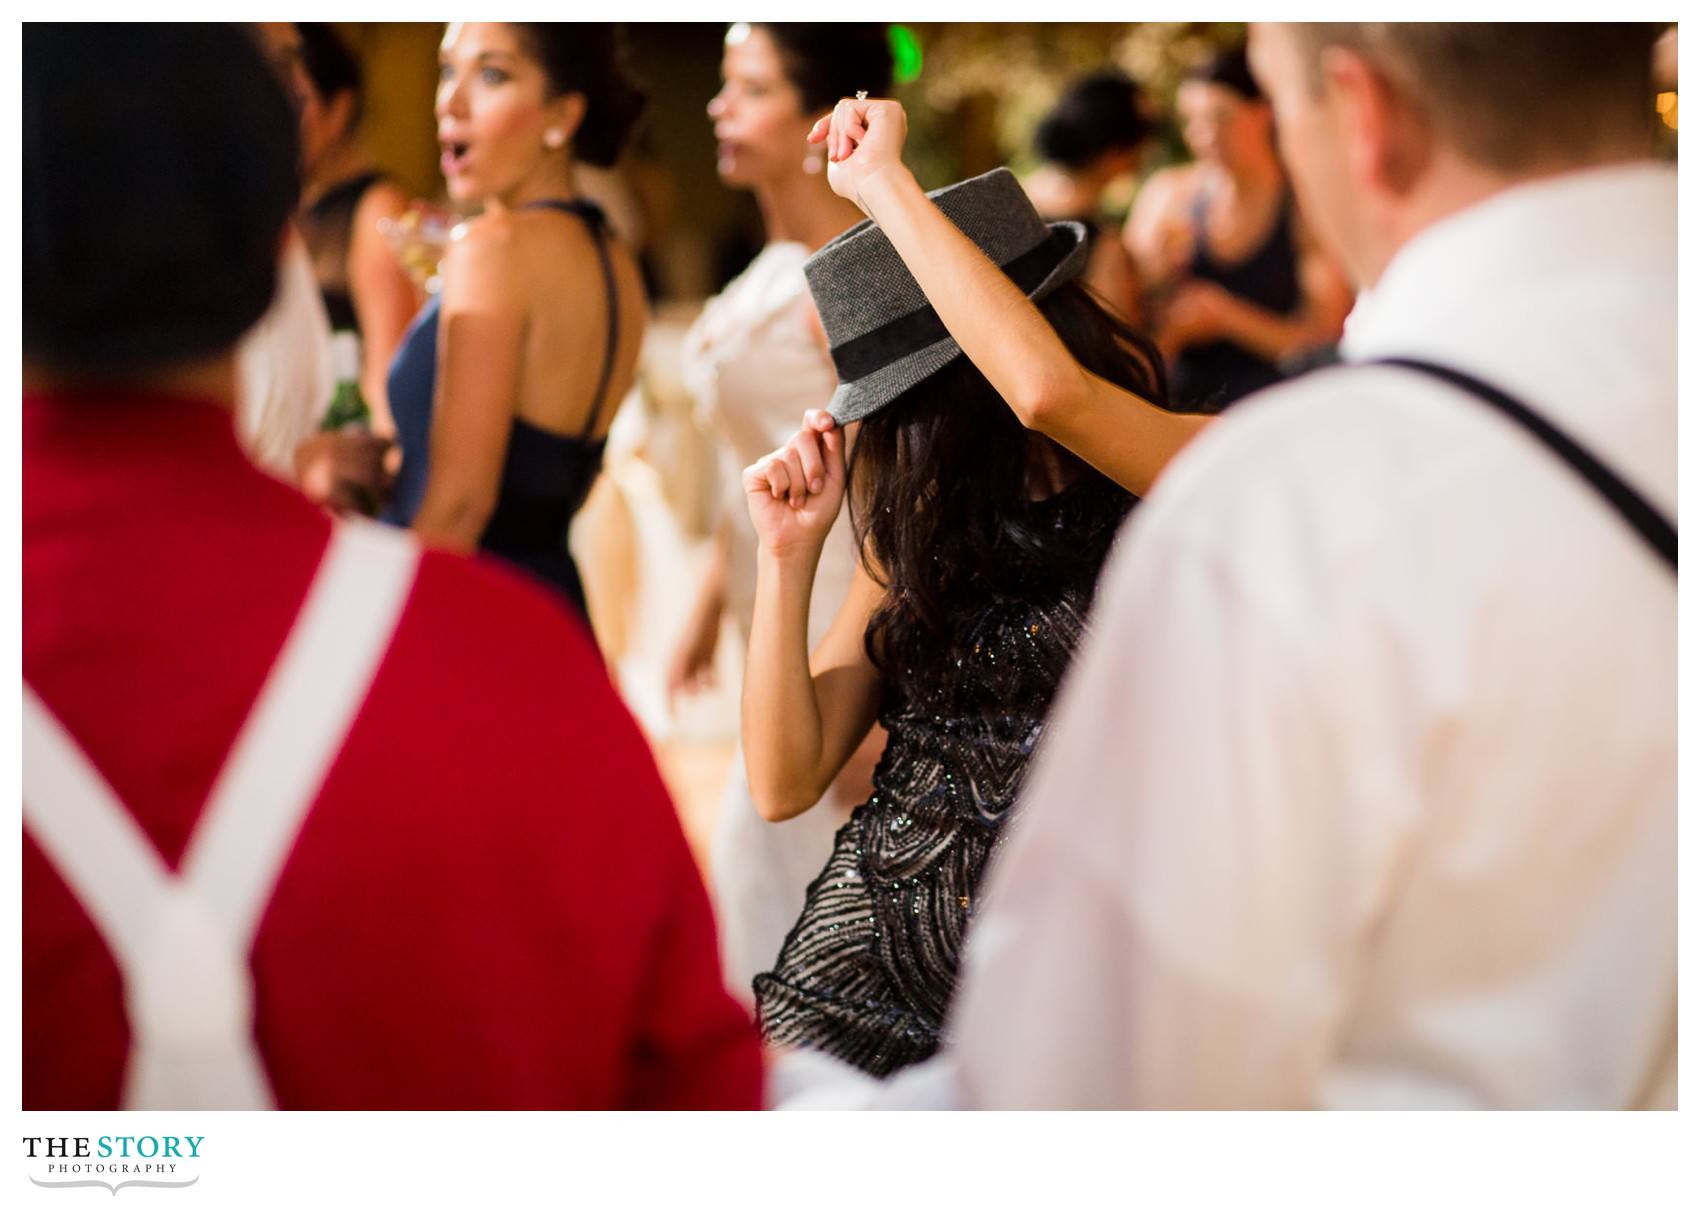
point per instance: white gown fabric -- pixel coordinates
(284, 374)
(754, 362)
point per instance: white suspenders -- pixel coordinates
(182, 941)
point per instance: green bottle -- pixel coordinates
(348, 406)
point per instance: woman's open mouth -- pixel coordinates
(454, 157)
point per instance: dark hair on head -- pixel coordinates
(1230, 69)
(590, 59)
(1099, 113)
(828, 61)
(940, 491)
(330, 65)
(1512, 95)
(194, 123)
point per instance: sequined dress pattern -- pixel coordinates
(867, 972)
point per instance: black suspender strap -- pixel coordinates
(1652, 525)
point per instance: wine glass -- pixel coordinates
(419, 238)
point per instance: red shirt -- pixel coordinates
(490, 905)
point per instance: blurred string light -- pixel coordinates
(906, 58)
(1667, 108)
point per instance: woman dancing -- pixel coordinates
(506, 383)
(985, 491)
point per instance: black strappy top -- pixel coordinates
(546, 476)
(1207, 377)
(328, 228)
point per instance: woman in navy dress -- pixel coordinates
(507, 381)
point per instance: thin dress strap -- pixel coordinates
(598, 225)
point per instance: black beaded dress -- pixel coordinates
(867, 972)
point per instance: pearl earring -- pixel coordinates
(814, 161)
(554, 140)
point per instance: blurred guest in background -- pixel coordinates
(284, 363)
(1092, 137)
(506, 383)
(295, 833)
(367, 291)
(1242, 286)
(755, 361)
(287, 362)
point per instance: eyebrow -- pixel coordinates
(483, 56)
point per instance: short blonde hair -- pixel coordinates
(1511, 95)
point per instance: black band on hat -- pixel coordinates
(914, 331)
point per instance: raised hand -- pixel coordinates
(794, 494)
(863, 138)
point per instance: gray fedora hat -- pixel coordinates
(885, 336)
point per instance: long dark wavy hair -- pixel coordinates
(940, 487)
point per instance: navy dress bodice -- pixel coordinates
(412, 383)
(546, 476)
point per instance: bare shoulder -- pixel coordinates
(1168, 187)
(492, 235)
(512, 258)
(382, 200)
(486, 260)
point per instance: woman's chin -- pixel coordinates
(737, 172)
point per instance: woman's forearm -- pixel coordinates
(781, 725)
(998, 326)
(454, 525)
(1276, 337)
(1124, 436)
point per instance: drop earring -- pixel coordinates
(814, 161)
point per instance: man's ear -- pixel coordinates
(1387, 143)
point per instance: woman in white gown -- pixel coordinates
(755, 361)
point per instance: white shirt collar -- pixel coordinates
(1573, 222)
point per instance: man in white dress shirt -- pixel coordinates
(1362, 792)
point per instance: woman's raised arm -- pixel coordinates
(803, 716)
(1126, 437)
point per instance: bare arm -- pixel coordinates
(385, 298)
(803, 717)
(1157, 233)
(1324, 300)
(1128, 438)
(1111, 273)
(692, 665)
(479, 346)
